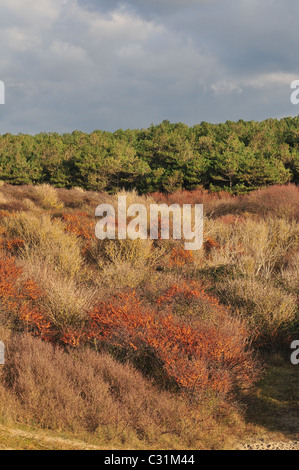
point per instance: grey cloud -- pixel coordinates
(145, 7)
(80, 64)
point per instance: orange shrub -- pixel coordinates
(31, 290)
(74, 338)
(12, 245)
(179, 257)
(197, 359)
(4, 214)
(20, 299)
(231, 219)
(210, 354)
(188, 292)
(9, 275)
(209, 244)
(35, 323)
(80, 224)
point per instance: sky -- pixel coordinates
(103, 64)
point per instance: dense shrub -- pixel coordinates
(80, 224)
(20, 301)
(179, 257)
(209, 356)
(108, 404)
(268, 310)
(45, 239)
(47, 197)
(148, 303)
(278, 200)
(259, 247)
(196, 358)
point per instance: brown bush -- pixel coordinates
(277, 200)
(209, 355)
(268, 310)
(92, 394)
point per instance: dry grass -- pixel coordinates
(258, 247)
(45, 239)
(135, 252)
(65, 301)
(122, 276)
(47, 197)
(277, 200)
(267, 309)
(110, 404)
(288, 276)
(249, 260)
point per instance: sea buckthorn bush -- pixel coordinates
(135, 252)
(20, 301)
(208, 356)
(179, 257)
(265, 244)
(80, 224)
(47, 197)
(45, 239)
(268, 310)
(196, 358)
(190, 300)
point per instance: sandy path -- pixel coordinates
(264, 445)
(42, 438)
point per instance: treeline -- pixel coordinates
(235, 156)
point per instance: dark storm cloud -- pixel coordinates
(89, 64)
